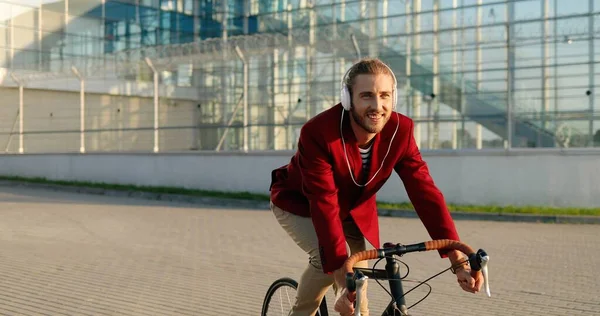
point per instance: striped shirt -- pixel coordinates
(366, 157)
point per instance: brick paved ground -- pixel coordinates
(70, 254)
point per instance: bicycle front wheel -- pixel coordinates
(281, 296)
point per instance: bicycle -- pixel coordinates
(355, 277)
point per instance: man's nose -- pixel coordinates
(379, 103)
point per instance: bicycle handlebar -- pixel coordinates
(477, 260)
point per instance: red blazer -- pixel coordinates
(317, 184)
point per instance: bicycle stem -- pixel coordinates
(390, 249)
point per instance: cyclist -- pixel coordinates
(324, 198)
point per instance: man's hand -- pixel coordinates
(342, 304)
(469, 280)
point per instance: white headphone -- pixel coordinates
(346, 99)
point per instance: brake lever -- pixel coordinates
(360, 282)
(484, 269)
(479, 261)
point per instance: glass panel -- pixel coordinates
(5, 13)
(4, 57)
(4, 36)
(467, 134)
(119, 11)
(83, 36)
(596, 131)
(493, 57)
(168, 5)
(188, 7)
(570, 7)
(469, 15)
(186, 23)
(24, 38)
(495, 13)
(352, 12)
(527, 9)
(494, 81)
(82, 7)
(574, 133)
(53, 18)
(149, 24)
(426, 21)
(150, 3)
(426, 5)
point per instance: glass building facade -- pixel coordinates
(473, 74)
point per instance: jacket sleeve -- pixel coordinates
(319, 187)
(427, 199)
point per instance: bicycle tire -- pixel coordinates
(293, 284)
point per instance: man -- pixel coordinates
(325, 197)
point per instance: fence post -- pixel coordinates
(20, 83)
(241, 56)
(510, 73)
(81, 107)
(155, 76)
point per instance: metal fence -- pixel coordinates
(472, 76)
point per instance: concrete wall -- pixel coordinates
(524, 178)
(119, 116)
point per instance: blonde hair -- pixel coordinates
(366, 66)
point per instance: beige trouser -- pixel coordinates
(314, 283)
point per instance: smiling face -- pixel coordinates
(372, 101)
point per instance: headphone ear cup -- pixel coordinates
(345, 97)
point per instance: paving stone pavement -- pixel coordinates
(75, 254)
